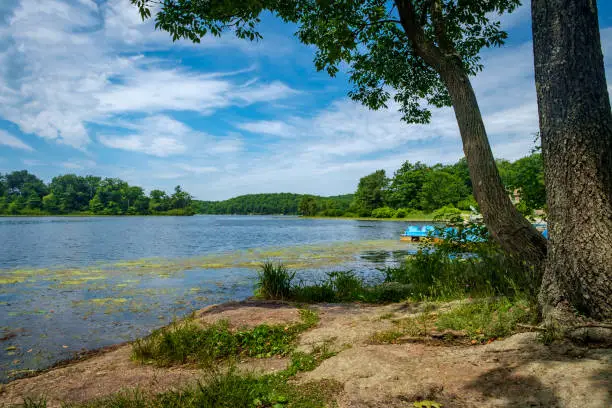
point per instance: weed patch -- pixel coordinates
(188, 342)
(487, 318)
(481, 320)
(228, 388)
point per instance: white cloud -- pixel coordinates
(77, 164)
(9, 140)
(31, 162)
(157, 146)
(197, 169)
(163, 136)
(268, 127)
(66, 65)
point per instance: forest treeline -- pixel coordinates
(275, 203)
(414, 189)
(23, 193)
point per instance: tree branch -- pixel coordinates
(437, 18)
(373, 23)
(424, 48)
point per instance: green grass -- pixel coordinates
(440, 275)
(34, 402)
(275, 281)
(339, 286)
(231, 389)
(480, 319)
(484, 319)
(386, 337)
(187, 342)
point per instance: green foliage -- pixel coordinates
(274, 281)
(414, 189)
(25, 194)
(301, 361)
(307, 206)
(345, 286)
(406, 184)
(370, 192)
(278, 203)
(465, 262)
(229, 389)
(401, 213)
(480, 319)
(188, 342)
(446, 214)
(484, 319)
(384, 212)
(468, 203)
(441, 188)
(29, 402)
(528, 178)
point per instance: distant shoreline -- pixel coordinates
(90, 215)
(420, 218)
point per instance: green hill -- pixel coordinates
(272, 203)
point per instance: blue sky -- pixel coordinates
(87, 88)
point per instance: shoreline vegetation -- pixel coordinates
(24, 194)
(415, 192)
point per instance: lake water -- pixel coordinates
(71, 284)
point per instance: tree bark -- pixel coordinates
(576, 131)
(515, 234)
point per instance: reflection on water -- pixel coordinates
(100, 286)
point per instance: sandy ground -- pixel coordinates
(515, 372)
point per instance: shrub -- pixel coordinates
(345, 285)
(274, 281)
(463, 263)
(383, 212)
(446, 214)
(467, 203)
(318, 293)
(401, 213)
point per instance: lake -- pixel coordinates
(72, 284)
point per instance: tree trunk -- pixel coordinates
(515, 234)
(576, 131)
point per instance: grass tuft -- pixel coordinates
(481, 320)
(487, 318)
(275, 281)
(188, 342)
(231, 389)
(29, 402)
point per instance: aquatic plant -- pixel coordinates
(274, 280)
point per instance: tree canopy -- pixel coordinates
(22, 193)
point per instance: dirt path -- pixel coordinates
(515, 372)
